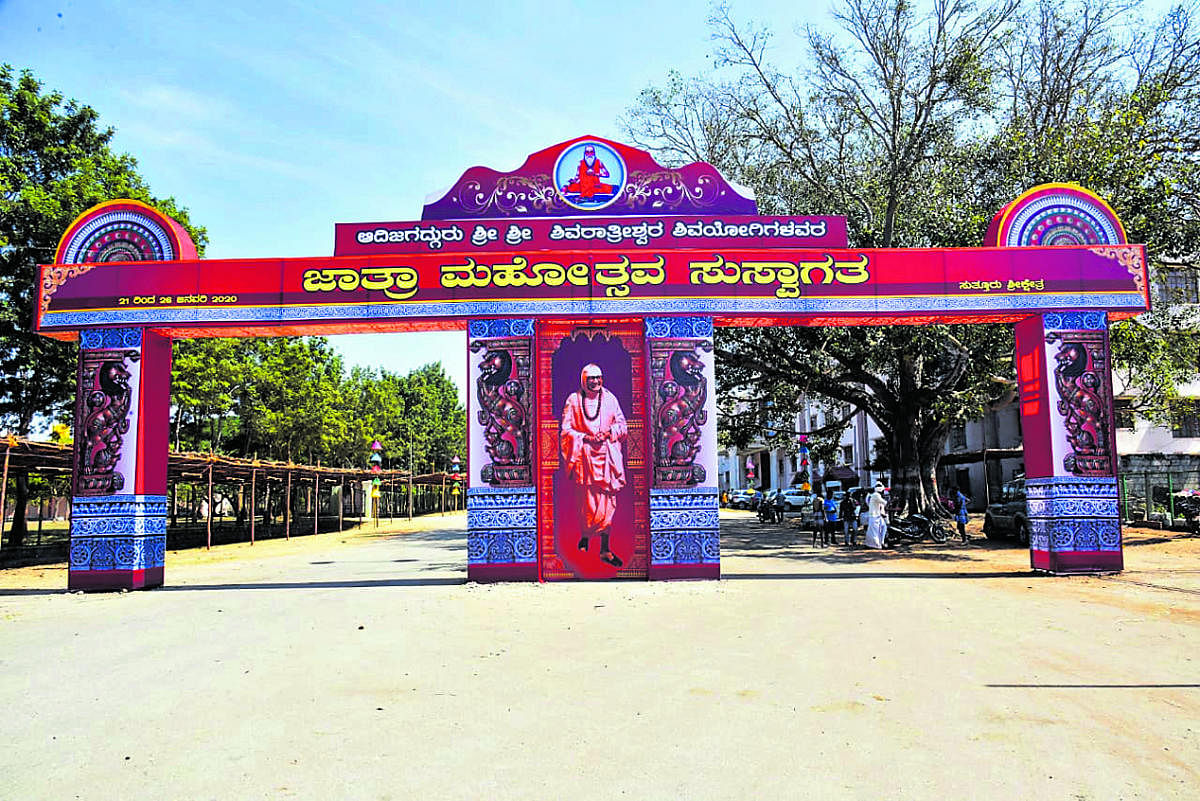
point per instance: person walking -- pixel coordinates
(779, 502)
(849, 513)
(832, 517)
(960, 514)
(820, 536)
(876, 535)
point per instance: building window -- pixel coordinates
(958, 437)
(847, 454)
(1123, 413)
(1179, 286)
(1185, 419)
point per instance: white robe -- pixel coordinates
(876, 521)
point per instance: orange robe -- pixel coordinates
(587, 180)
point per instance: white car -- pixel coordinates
(794, 499)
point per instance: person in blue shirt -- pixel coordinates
(832, 519)
(820, 531)
(960, 514)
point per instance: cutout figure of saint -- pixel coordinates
(587, 177)
(592, 430)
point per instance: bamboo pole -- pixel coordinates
(4, 490)
(253, 490)
(287, 509)
(209, 520)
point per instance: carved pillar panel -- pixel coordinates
(501, 504)
(1063, 367)
(684, 529)
(119, 510)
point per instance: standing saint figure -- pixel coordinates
(592, 430)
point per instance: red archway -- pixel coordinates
(591, 233)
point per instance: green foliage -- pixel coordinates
(55, 163)
(918, 126)
(285, 398)
(289, 398)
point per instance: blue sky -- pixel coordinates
(272, 122)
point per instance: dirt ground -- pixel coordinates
(360, 665)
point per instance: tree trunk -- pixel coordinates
(914, 450)
(16, 535)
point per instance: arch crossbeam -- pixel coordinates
(736, 287)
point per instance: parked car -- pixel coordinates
(1008, 516)
(745, 499)
(795, 498)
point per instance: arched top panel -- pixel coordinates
(124, 230)
(590, 175)
(1055, 214)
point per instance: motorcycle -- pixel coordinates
(914, 528)
(1188, 505)
(767, 513)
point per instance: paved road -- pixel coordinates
(369, 670)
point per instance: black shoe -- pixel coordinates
(611, 558)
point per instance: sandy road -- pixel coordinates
(361, 666)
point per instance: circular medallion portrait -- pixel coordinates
(589, 175)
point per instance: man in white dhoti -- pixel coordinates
(592, 430)
(876, 534)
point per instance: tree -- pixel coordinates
(1095, 97)
(867, 135)
(289, 398)
(55, 163)
(918, 128)
(206, 375)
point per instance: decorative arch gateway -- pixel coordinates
(589, 281)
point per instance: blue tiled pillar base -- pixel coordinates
(1074, 524)
(118, 542)
(501, 534)
(685, 533)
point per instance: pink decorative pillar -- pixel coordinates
(685, 538)
(501, 499)
(1063, 368)
(119, 510)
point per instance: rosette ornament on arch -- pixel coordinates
(1055, 214)
(124, 230)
